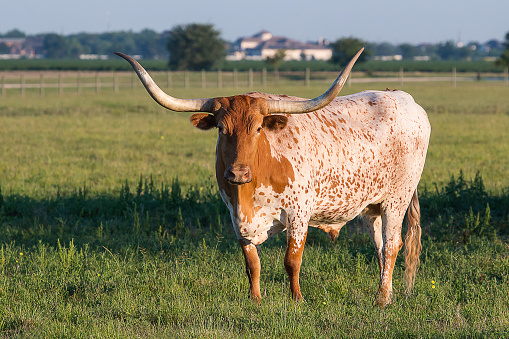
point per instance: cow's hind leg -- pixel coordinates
(373, 224)
(253, 268)
(393, 213)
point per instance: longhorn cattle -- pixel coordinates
(286, 163)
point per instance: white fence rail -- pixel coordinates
(19, 83)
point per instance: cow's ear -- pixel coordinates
(203, 121)
(275, 122)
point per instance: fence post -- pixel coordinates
(250, 78)
(22, 85)
(506, 76)
(115, 82)
(78, 82)
(97, 83)
(453, 77)
(308, 76)
(41, 84)
(60, 83)
(219, 78)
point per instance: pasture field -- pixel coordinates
(111, 226)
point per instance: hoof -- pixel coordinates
(256, 298)
(383, 298)
(297, 298)
(333, 234)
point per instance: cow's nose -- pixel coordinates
(238, 175)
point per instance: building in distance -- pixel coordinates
(264, 45)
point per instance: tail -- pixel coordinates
(412, 242)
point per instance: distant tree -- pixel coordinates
(504, 58)
(147, 43)
(55, 46)
(344, 49)
(96, 43)
(408, 51)
(386, 49)
(446, 50)
(150, 44)
(15, 33)
(119, 41)
(4, 49)
(276, 59)
(195, 47)
(450, 51)
(372, 48)
(74, 47)
(88, 42)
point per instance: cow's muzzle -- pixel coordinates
(238, 175)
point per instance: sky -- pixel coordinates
(393, 21)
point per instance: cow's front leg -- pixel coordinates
(293, 260)
(253, 268)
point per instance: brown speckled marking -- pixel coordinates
(363, 154)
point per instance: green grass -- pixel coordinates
(192, 290)
(101, 140)
(99, 238)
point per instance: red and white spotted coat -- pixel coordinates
(362, 154)
(360, 150)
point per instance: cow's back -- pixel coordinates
(353, 152)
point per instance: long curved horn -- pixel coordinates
(299, 107)
(163, 99)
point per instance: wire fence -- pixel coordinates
(41, 83)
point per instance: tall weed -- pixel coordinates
(463, 208)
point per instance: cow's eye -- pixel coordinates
(259, 129)
(220, 128)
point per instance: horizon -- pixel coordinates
(249, 35)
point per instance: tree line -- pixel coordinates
(200, 46)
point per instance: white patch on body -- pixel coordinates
(359, 150)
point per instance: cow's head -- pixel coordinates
(241, 119)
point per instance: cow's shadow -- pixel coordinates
(142, 214)
(168, 215)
